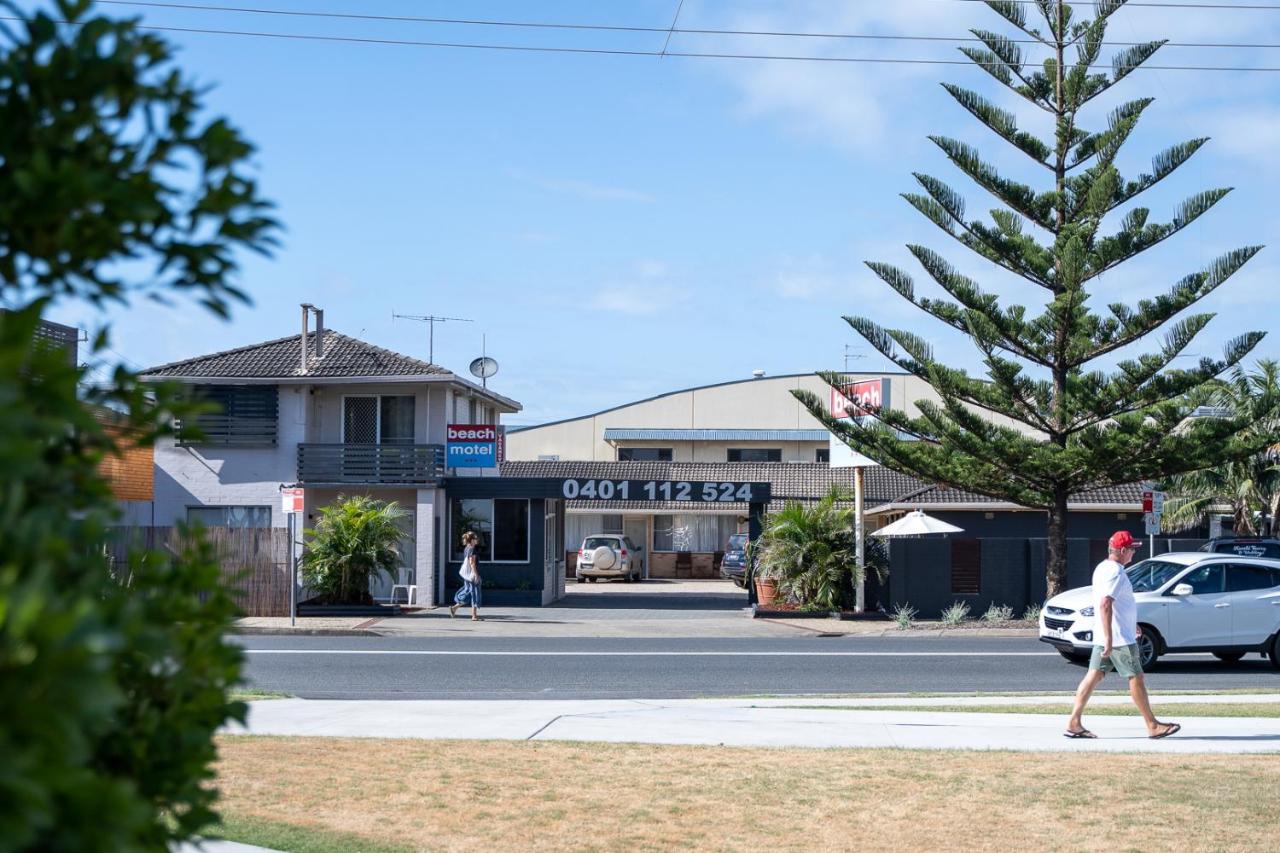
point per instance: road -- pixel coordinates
(619, 668)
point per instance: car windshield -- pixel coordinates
(596, 541)
(737, 542)
(1150, 575)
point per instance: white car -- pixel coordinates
(1187, 602)
(608, 555)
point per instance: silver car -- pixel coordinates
(608, 555)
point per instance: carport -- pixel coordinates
(521, 522)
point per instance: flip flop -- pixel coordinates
(1174, 728)
(1082, 734)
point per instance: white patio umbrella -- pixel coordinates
(916, 524)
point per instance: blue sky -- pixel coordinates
(622, 226)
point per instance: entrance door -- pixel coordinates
(637, 530)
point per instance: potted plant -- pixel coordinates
(355, 540)
(807, 551)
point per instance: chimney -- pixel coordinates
(319, 333)
(306, 306)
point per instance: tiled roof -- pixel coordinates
(625, 434)
(934, 495)
(279, 359)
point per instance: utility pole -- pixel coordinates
(431, 321)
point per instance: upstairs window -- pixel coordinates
(755, 454)
(822, 454)
(245, 416)
(644, 454)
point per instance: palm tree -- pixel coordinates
(810, 551)
(355, 540)
(1250, 487)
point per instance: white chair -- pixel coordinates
(410, 590)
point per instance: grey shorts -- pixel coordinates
(1125, 660)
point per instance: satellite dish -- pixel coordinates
(484, 367)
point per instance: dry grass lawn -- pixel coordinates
(494, 795)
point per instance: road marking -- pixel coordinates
(456, 653)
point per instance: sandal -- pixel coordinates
(1173, 729)
(477, 618)
(1084, 734)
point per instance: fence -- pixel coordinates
(930, 574)
(254, 561)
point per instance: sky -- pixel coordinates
(616, 227)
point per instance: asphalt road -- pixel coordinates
(500, 668)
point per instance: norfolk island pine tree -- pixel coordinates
(1089, 427)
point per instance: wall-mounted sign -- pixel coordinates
(859, 398)
(471, 446)
(292, 500)
(665, 490)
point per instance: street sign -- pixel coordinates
(1157, 502)
(1152, 521)
(292, 500)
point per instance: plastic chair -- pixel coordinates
(410, 591)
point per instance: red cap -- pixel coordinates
(1122, 539)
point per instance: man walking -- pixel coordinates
(1115, 639)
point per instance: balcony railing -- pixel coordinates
(363, 464)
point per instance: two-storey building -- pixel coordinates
(330, 413)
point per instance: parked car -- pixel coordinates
(1187, 602)
(734, 564)
(608, 555)
(1244, 546)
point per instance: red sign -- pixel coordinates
(1148, 501)
(291, 500)
(859, 398)
(472, 432)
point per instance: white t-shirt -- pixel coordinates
(1111, 581)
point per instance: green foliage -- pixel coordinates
(1249, 487)
(356, 540)
(1032, 613)
(809, 549)
(113, 679)
(1063, 423)
(904, 615)
(998, 613)
(956, 614)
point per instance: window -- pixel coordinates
(755, 454)
(644, 454)
(610, 524)
(1205, 580)
(663, 526)
(378, 420)
(245, 416)
(966, 566)
(230, 516)
(822, 454)
(1242, 577)
(502, 526)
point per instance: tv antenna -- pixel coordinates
(430, 320)
(850, 354)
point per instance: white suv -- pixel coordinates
(608, 555)
(1187, 602)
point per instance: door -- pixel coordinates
(637, 530)
(1254, 592)
(1202, 618)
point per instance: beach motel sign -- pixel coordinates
(471, 446)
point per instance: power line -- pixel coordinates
(620, 52)
(619, 28)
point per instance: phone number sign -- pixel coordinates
(665, 490)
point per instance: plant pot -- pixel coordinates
(766, 591)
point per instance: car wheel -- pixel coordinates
(1148, 647)
(626, 578)
(592, 580)
(1229, 657)
(1074, 657)
(1275, 651)
(581, 579)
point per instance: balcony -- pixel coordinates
(370, 464)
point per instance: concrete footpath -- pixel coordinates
(774, 722)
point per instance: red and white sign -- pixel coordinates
(472, 432)
(1148, 501)
(859, 398)
(291, 500)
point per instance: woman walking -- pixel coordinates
(470, 574)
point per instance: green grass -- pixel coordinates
(278, 835)
(1232, 709)
(250, 694)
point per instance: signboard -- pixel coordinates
(291, 500)
(859, 398)
(1152, 521)
(1152, 501)
(471, 446)
(841, 455)
(665, 490)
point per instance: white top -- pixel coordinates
(1111, 581)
